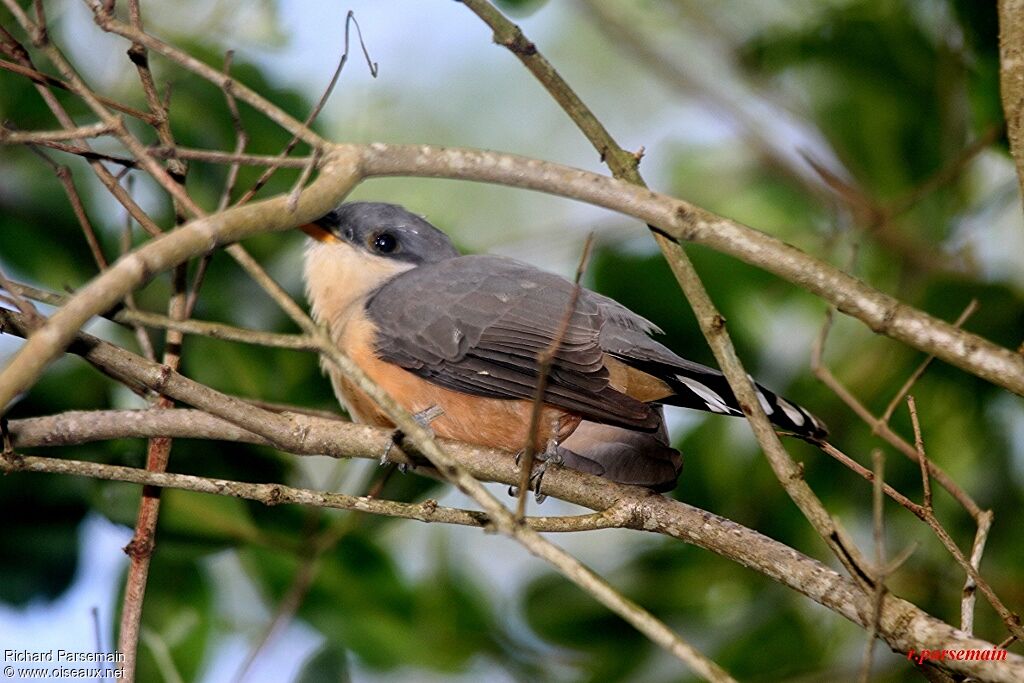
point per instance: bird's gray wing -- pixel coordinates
(476, 324)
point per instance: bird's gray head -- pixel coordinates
(384, 230)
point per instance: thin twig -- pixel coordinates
(62, 116)
(203, 328)
(880, 427)
(106, 21)
(878, 528)
(87, 153)
(40, 78)
(1010, 619)
(300, 182)
(241, 140)
(544, 361)
(213, 156)
(140, 549)
(279, 494)
(141, 334)
(210, 156)
(922, 459)
(916, 375)
(34, 137)
(315, 112)
(67, 181)
(969, 596)
(27, 308)
(847, 461)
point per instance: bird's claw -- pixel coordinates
(535, 479)
(550, 456)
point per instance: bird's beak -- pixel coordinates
(318, 233)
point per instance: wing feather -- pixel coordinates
(476, 324)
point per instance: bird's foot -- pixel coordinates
(423, 419)
(549, 456)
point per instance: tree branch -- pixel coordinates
(279, 494)
(901, 625)
(33, 137)
(880, 425)
(204, 328)
(109, 23)
(1011, 78)
(39, 78)
(337, 177)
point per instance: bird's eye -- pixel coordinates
(384, 243)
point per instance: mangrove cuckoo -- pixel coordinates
(459, 337)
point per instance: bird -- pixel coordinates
(455, 340)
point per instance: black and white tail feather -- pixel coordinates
(625, 335)
(703, 388)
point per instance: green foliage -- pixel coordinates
(897, 90)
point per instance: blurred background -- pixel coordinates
(866, 132)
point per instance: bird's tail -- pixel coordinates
(625, 456)
(702, 388)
